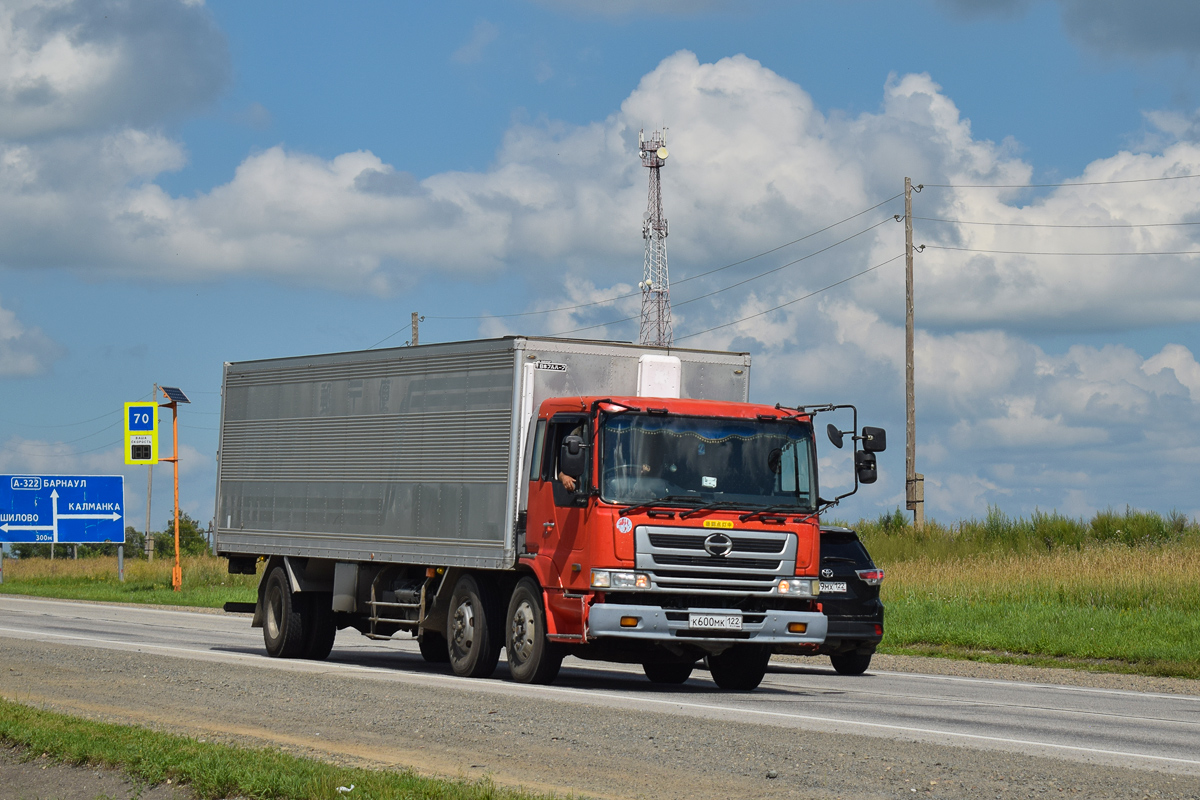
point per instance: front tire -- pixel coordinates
(471, 629)
(741, 668)
(851, 663)
(320, 629)
(433, 647)
(531, 657)
(670, 672)
(283, 623)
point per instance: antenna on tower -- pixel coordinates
(655, 285)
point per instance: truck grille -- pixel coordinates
(676, 560)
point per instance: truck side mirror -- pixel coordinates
(571, 458)
(874, 440)
(864, 465)
(835, 436)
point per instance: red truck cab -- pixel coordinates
(663, 530)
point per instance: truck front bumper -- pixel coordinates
(655, 623)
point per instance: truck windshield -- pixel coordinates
(754, 463)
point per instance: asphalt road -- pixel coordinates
(973, 729)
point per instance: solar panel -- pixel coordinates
(175, 395)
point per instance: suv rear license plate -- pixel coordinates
(832, 587)
(715, 622)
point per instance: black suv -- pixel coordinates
(850, 598)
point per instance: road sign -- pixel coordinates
(141, 433)
(62, 509)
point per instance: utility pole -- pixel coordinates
(149, 543)
(415, 320)
(914, 484)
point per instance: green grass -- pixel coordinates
(891, 537)
(206, 582)
(1119, 592)
(214, 770)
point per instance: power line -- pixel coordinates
(739, 283)
(66, 455)
(797, 300)
(682, 280)
(1050, 225)
(1042, 253)
(94, 433)
(1053, 185)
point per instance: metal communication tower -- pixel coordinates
(655, 285)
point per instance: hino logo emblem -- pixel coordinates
(718, 544)
(827, 573)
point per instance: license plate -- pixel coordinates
(832, 587)
(715, 622)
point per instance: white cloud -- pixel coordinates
(561, 195)
(72, 65)
(561, 206)
(24, 351)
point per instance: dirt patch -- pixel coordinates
(27, 776)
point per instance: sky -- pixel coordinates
(184, 184)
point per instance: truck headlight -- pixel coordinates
(614, 579)
(799, 587)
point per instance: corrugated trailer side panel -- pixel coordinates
(394, 455)
(407, 455)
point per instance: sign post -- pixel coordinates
(175, 397)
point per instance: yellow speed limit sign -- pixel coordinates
(141, 433)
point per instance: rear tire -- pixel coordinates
(283, 622)
(851, 663)
(319, 626)
(472, 630)
(669, 672)
(433, 647)
(532, 658)
(740, 668)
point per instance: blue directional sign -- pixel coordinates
(66, 509)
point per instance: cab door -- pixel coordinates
(556, 513)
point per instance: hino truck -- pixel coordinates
(545, 497)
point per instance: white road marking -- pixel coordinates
(589, 695)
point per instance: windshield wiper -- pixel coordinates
(659, 501)
(840, 559)
(786, 509)
(711, 506)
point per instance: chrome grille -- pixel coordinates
(676, 560)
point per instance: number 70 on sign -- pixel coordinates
(141, 433)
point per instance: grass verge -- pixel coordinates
(206, 582)
(214, 770)
(1099, 602)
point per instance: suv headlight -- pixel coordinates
(614, 579)
(799, 587)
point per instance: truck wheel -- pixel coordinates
(740, 668)
(471, 629)
(531, 657)
(670, 672)
(283, 624)
(319, 627)
(433, 647)
(851, 663)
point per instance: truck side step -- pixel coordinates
(240, 608)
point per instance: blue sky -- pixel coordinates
(183, 184)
